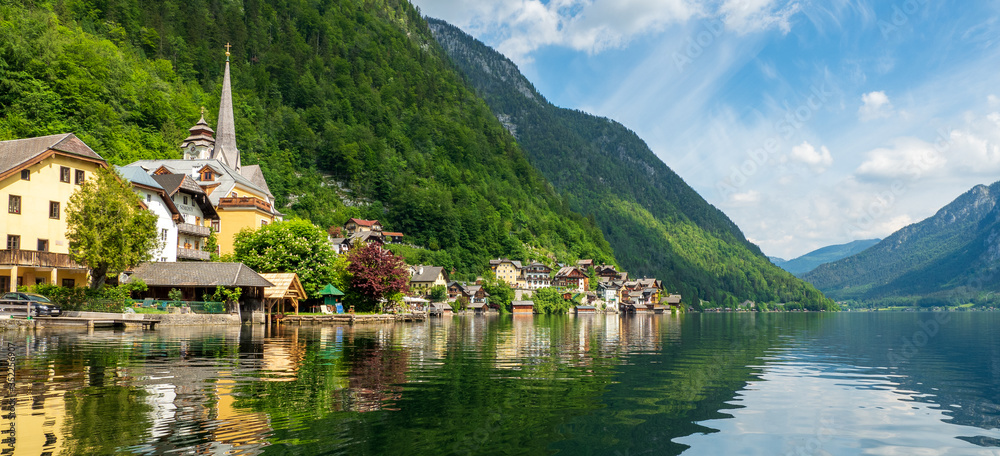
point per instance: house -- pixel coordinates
(586, 310)
(606, 272)
(454, 290)
(537, 275)
(355, 225)
(440, 309)
(571, 278)
(196, 279)
(673, 300)
(360, 238)
(37, 177)
(392, 237)
(523, 307)
(585, 264)
(423, 278)
(156, 200)
(197, 214)
(340, 245)
(238, 193)
(478, 298)
(509, 271)
(608, 292)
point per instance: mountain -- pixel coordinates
(350, 107)
(950, 257)
(828, 254)
(657, 224)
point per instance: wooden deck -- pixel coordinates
(350, 319)
(95, 322)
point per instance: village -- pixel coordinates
(203, 200)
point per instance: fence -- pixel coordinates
(199, 307)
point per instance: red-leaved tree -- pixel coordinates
(377, 275)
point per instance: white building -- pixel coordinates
(157, 202)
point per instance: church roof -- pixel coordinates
(225, 138)
(227, 175)
(255, 175)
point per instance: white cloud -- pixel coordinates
(747, 16)
(908, 158)
(805, 153)
(751, 196)
(875, 105)
(993, 100)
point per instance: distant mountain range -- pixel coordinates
(949, 258)
(828, 254)
(657, 225)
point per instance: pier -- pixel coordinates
(350, 319)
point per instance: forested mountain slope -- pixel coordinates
(657, 224)
(949, 258)
(828, 254)
(336, 100)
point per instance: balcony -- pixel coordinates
(194, 230)
(192, 254)
(245, 202)
(36, 259)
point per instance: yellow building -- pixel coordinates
(37, 178)
(509, 271)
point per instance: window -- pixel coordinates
(43, 245)
(149, 198)
(207, 176)
(39, 280)
(163, 234)
(26, 174)
(263, 223)
(197, 245)
(185, 199)
(80, 176)
(53, 209)
(13, 242)
(216, 225)
(197, 220)
(63, 174)
(69, 283)
(14, 204)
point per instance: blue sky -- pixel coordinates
(808, 123)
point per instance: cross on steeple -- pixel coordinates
(203, 111)
(227, 46)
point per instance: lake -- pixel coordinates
(696, 384)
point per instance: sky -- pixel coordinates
(808, 123)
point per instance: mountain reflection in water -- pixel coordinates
(590, 384)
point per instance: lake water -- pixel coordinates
(695, 384)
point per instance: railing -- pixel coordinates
(192, 254)
(199, 307)
(34, 258)
(245, 201)
(188, 228)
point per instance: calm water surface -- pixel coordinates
(696, 384)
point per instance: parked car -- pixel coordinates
(40, 305)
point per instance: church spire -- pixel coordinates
(225, 137)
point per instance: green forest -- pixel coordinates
(336, 100)
(656, 223)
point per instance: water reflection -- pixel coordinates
(590, 384)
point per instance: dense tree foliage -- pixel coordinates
(107, 228)
(657, 224)
(292, 246)
(378, 277)
(336, 100)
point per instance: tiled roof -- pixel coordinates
(189, 167)
(17, 152)
(361, 222)
(198, 274)
(426, 273)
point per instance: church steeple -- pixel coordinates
(225, 137)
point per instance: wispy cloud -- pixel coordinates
(805, 153)
(875, 105)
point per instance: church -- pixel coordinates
(212, 159)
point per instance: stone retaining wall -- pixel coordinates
(167, 319)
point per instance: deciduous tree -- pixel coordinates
(107, 228)
(377, 275)
(292, 246)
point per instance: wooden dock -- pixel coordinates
(91, 323)
(350, 319)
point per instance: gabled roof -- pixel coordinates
(425, 273)
(361, 222)
(570, 271)
(17, 153)
(286, 285)
(198, 274)
(517, 264)
(172, 183)
(330, 290)
(138, 177)
(522, 303)
(190, 167)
